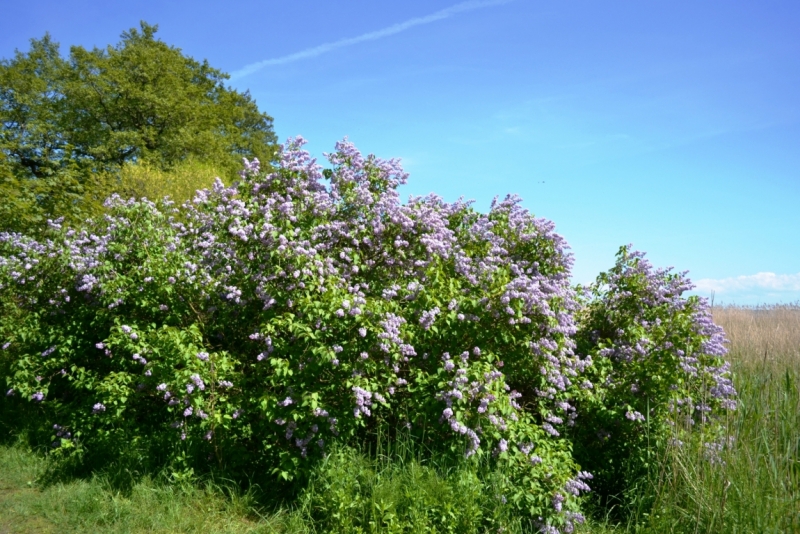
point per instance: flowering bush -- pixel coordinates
(658, 368)
(259, 323)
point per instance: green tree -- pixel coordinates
(70, 125)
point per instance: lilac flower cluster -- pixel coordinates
(637, 324)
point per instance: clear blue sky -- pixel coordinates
(673, 125)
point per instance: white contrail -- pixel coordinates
(371, 36)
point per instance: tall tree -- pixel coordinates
(70, 124)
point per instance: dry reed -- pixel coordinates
(762, 334)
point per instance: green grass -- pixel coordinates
(396, 491)
(350, 492)
(28, 506)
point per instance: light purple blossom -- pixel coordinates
(198, 382)
(634, 416)
(363, 401)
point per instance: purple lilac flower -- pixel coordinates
(558, 501)
(198, 382)
(428, 317)
(38, 396)
(98, 408)
(547, 427)
(202, 356)
(634, 416)
(363, 401)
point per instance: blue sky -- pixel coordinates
(672, 125)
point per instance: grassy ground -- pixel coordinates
(93, 506)
(755, 488)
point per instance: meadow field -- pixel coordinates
(751, 486)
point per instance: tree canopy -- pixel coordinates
(69, 125)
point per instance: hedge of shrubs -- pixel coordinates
(257, 325)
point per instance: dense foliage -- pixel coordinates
(70, 124)
(260, 324)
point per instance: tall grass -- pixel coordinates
(400, 488)
(753, 484)
(761, 335)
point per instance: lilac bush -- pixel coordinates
(658, 368)
(260, 323)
